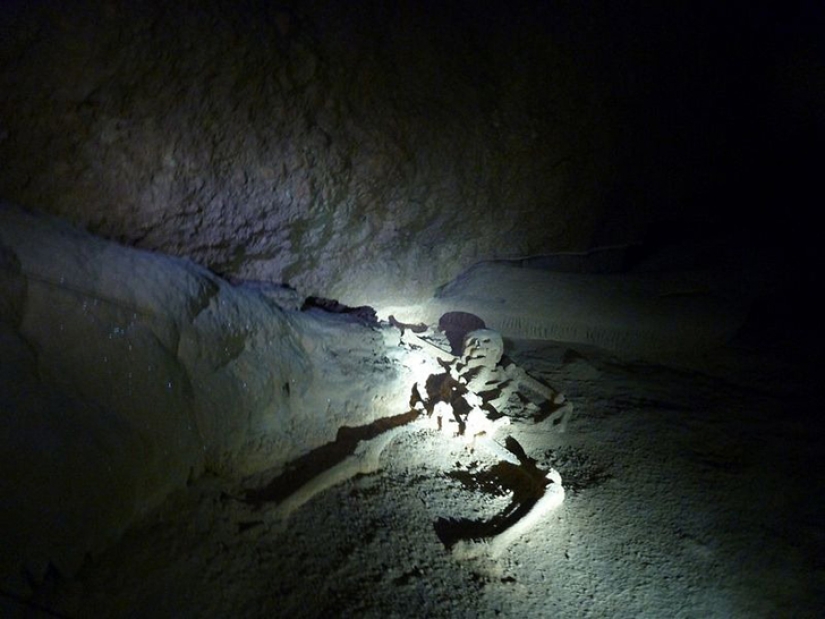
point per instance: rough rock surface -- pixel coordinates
(366, 153)
(353, 153)
(125, 374)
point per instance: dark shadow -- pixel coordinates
(363, 314)
(305, 468)
(524, 480)
(456, 325)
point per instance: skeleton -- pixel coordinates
(486, 387)
(471, 399)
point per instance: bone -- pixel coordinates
(411, 339)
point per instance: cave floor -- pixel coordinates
(688, 494)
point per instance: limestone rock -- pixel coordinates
(361, 156)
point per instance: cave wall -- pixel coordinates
(370, 151)
(125, 374)
(358, 151)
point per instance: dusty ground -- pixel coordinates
(688, 494)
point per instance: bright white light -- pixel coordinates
(421, 365)
(479, 433)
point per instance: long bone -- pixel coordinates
(411, 339)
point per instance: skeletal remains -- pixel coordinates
(477, 394)
(481, 388)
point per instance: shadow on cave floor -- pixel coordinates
(524, 480)
(684, 491)
(307, 467)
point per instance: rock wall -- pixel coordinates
(371, 151)
(124, 374)
(360, 152)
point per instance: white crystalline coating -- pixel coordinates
(483, 345)
(478, 369)
(441, 416)
(478, 364)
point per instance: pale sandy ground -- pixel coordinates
(689, 493)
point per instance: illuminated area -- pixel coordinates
(506, 476)
(428, 309)
(466, 398)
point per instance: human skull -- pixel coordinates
(482, 348)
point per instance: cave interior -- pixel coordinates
(444, 309)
